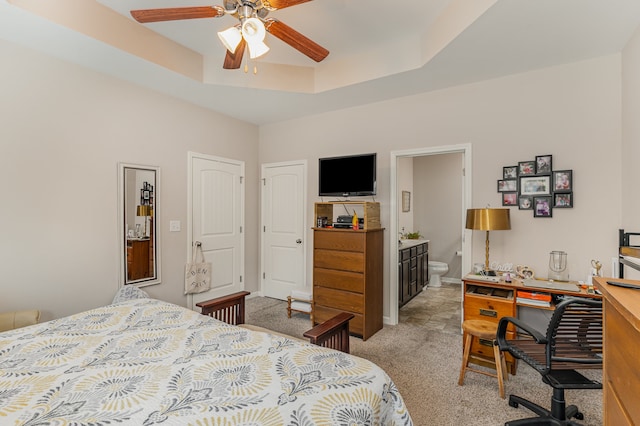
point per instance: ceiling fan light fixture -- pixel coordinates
(230, 38)
(257, 49)
(253, 30)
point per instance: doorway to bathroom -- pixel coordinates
(430, 193)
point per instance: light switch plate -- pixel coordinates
(174, 226)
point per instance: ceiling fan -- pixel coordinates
(253, 23)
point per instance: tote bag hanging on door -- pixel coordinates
(197, 275)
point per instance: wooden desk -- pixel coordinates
(621, 373)
(491, 301)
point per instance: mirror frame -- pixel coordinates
(122, 231)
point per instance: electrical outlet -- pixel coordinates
(174, 226)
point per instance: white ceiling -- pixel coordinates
(379, 50)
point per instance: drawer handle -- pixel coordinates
(489, 313)
(485, 342)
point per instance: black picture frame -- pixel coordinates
(563, 200)
(525, 202)
(510, 198)
(535, 185)
(542, 206)
(510, 172)
(562, 180)
(508, 185)
(543, 164)
(526, 168)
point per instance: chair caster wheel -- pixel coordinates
(513, 404)
(579, 416)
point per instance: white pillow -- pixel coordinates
(129, 293)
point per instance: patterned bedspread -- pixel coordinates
(147, 362)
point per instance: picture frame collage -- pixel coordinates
(146, 194)
(534, 185)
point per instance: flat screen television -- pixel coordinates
(347, 176)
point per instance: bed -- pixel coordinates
(143, 361)
(628, 252)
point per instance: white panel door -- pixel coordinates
(217, 220)
(283, 226)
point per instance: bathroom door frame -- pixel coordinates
(467, 255)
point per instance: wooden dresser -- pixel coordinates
(138, 259)
(621, 374)
(347, 277)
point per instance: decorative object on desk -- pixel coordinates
(354, 220)
(524, 272)
(597, 268)
(197, 275)
(558, 266)
(488, 219)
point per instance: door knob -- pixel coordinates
(299, 241)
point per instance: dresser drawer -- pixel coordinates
(342, 280)
(337, 299)
(345, 241)
(340, 260)
(323, 313)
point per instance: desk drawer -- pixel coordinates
(486, 308)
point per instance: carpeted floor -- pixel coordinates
(422, 354)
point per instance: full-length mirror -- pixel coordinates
(138, 216)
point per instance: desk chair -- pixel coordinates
(573, 341)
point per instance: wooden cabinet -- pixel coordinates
(347, 277)
(621, 375)
(413, 268)
(138, 259)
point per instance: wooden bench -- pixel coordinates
(333, 333)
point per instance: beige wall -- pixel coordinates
(63, 131)
(572, 112)
(631, 139)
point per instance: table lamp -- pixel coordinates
(488, 219)
(146, 212)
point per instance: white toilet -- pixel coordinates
(436, 269)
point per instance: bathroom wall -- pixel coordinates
(437, 182)
(405, 183)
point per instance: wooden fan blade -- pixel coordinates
(177, 13)
(232, 61)
(281, 4)
(296, 40)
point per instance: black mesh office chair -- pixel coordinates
(573, 341)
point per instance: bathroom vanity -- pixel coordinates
(413, 267)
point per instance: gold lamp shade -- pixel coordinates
(143, 210)
(488, 220)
